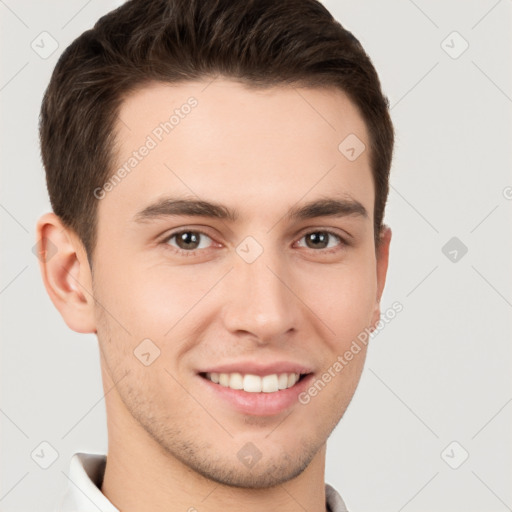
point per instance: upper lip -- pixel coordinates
(255, 368)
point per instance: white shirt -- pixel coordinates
(85, 477)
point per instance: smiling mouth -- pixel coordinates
(254, 383)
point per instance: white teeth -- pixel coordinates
(269, 383)
(282, 381)
(255, 383)
(252, 383)
(236, 381)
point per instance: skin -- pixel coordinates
(260, 152)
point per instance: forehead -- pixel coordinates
(222, 141)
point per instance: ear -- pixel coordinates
(66, 273)
(382, 268)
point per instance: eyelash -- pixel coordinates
(182, 252)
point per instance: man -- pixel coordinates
(218, 173)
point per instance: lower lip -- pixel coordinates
(258, 404)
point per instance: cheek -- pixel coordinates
(164, 297)
(146, 300)
(171, 307)
(342, 297)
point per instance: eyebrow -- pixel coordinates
(175, 206)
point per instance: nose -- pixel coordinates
(259, 299)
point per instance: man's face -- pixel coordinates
(261, 289)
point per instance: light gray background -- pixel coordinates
(439, 372)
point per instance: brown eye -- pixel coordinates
(187, 241)
(321, 240)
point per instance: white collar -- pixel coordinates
(85, 477)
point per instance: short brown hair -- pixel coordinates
(260, 43)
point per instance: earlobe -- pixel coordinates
(381, 270)
(66, 273)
